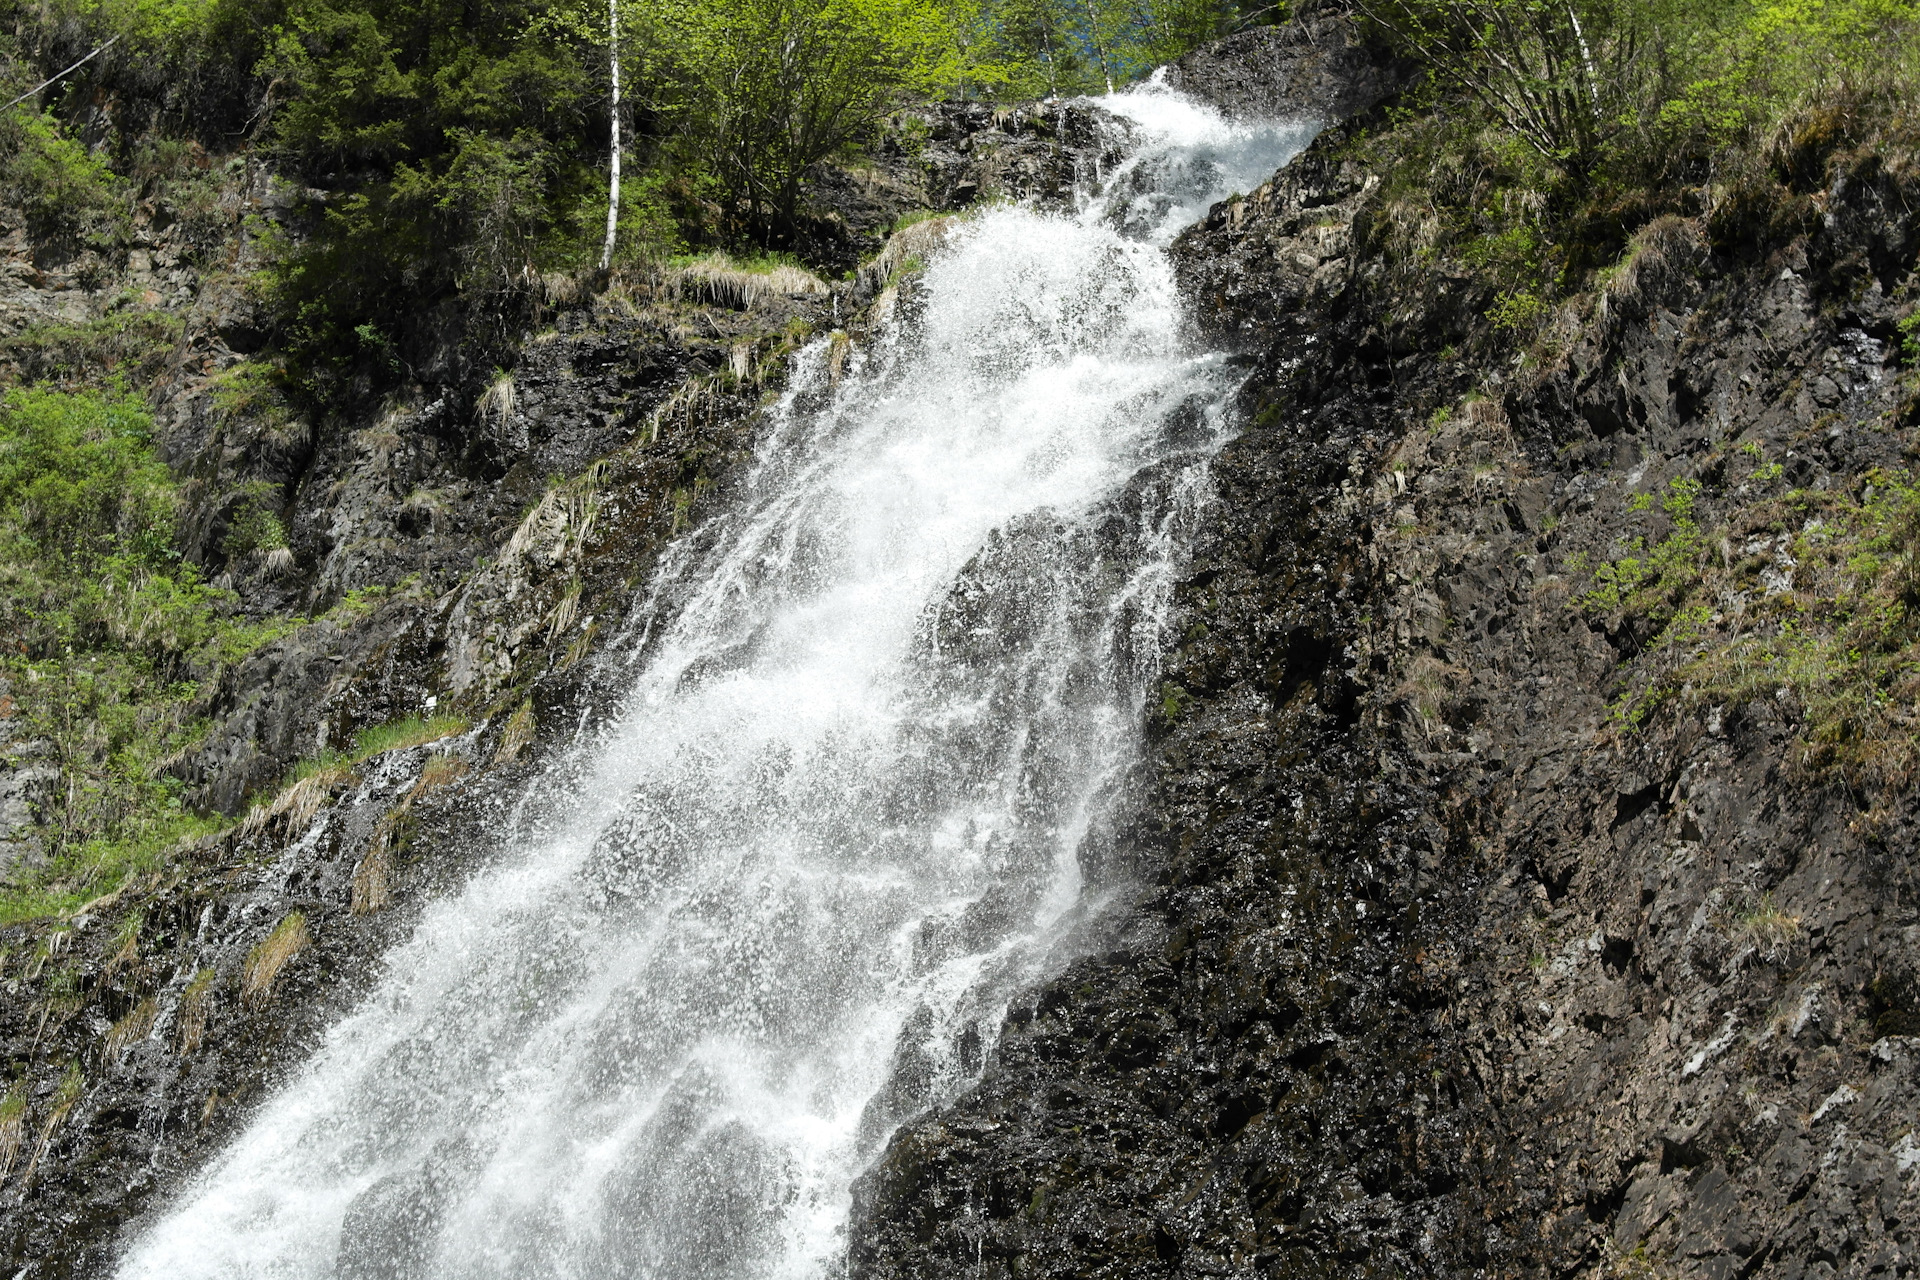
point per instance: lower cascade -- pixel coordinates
(880, 715)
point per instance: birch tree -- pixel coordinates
(1561, 74)
(613, 115)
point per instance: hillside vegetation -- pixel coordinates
(442, 173)
(445, 170)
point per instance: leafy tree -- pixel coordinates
(1038, 40)
(1585, 82)
(451, 142)
(1558, 73)
(1061, 47)
(772, 87)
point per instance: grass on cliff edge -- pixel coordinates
(110, 639)
(1727, 113)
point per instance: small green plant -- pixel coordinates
(1517, 311)
(255, 525)
(1767, 927)
(399, 735)
(913, 217)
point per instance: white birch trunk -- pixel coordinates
(613, 182)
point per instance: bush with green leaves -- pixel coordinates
(1593, 85)
(72, 200)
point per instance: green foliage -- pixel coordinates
(452, 146)
(1597, 84)
(128, 342)
(1653, 584)
(1517, 310)
(253, 390)
(397, 735)
(1558, 75)
(111, 636)
(1042, 48)
(1910, 341)
(255, 525)
(72, 200)
(769, 88)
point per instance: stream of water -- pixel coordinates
(883, 709)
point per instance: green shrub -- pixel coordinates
(1842, 637)
(72, 200)
(127, 343)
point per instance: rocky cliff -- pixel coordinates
(1488, 924)
(1473, 919)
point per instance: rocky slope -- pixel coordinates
(457, 566)
(1426, 962)
(1441, 965)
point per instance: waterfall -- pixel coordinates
(879, 713)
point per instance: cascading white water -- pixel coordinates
(883, 704)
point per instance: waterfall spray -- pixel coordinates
(884, 707)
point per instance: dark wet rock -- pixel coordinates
(1317, 64)
(1431, 969)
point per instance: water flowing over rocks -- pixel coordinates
(1401, 959)
(1434, 972)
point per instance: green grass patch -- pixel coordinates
(112, 638)
(130, 343)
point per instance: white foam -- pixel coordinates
(882, 706)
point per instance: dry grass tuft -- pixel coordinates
(560, 521)
(373, 874)
(1665, 252)
(264, 963)
(65, 1097)
(578, 647)
(498, 400)
(130, 1030)
(13, 1126)
(125, 944)
(717, 279)
(904, 248)
(300, 801)
(517, 733)
(561, 289)
(196, 1002)
(689, 398)
(440, 771)
(564, 611)
(1768, 928)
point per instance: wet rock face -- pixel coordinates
(1315, 65)
(1431, 968)
(471, 546)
